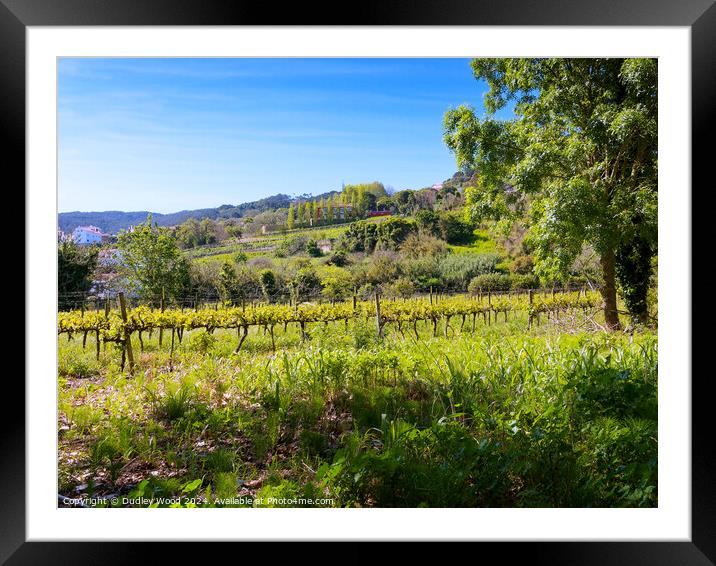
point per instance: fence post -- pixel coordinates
(378, 324)
(127, 335)
(529, 316)
(161, 307)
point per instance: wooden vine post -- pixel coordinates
(529, 316)
(378, 324)
(489, 308)
(161, 308)
(127, 335)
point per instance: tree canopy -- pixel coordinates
(153, 261)
(75, 267)
(579, 157)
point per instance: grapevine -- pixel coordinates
(109, 327)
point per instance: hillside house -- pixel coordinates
(85, 235)
(324, 245)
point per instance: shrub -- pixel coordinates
(456, 271)
(312, 249)
(424, 272)
(360, 237)
(490, 282)
(453, 229)
(367, 237)
(338, 258)
(382, 268)
(523, 265)
(304, 283)
(336, 283)
(205, 279)
(401, 287)
(292, 245)
(525, 282)
(393, 232)
(422, 245)
(578, 280)
(428, 222)
(268, 284)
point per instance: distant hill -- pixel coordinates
(112, 221)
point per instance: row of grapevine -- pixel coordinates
(118, 326)
(143, 318)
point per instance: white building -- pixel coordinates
(324, 245)
(87, 235)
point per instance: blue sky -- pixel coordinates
(173, 134)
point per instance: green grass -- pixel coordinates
(226, 251)
(260, 240)
(482, 243)
(498, 417)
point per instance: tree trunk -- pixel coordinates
(609, 291)
(633, 271)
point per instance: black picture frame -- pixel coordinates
(699, 15)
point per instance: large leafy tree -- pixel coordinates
(75, 268)
(153, 261)
(579, 156)
(229, 288)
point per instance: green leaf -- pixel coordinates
(191, 486)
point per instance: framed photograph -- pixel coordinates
(393, 279)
